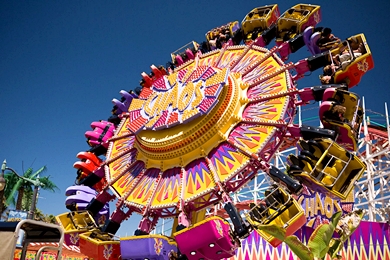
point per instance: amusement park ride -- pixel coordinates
(211, 123)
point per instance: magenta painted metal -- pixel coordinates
(102, 131)
(209, 240)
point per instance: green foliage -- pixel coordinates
(345, 228)
(48, 218)
(298, 248)
(321, 241)
(27, 200)
(22, 188)
(273, 230)
(11, 180)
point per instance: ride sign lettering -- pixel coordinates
(177, 98)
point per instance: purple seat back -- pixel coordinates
(306, 38)
(80, 196)
(147, 247)
(313, 42)
(123, 106)
(75, 189)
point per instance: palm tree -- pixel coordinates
(11, 180)
(39, 215)
(24, 186)
(48, 218)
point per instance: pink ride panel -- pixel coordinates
(209, 239)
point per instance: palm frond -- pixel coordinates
(48, 184)
(38, 172)
(14, 183)
(13, 192)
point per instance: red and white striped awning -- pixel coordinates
(67, 251)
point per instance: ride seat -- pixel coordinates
(34, 231)
(76, 221)
(312, 146)
(314, 42)
(277, 208)
(332, 172)
(148, 247)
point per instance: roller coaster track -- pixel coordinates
(372, 191)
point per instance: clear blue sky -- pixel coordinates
(61, 63)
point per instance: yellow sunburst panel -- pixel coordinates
(267, 67)
(252, 138)
(209, 59)
(197, 183)
(125, 183)
(229, 56)
(168, 190)
(116, 146)
(121, 165)
(119, 147)
(145, 187)
(274, 85)
(273, 109)
(250, 58)
(227, 162)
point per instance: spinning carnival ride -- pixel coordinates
(205, 126)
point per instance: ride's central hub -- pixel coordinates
(186, 114)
